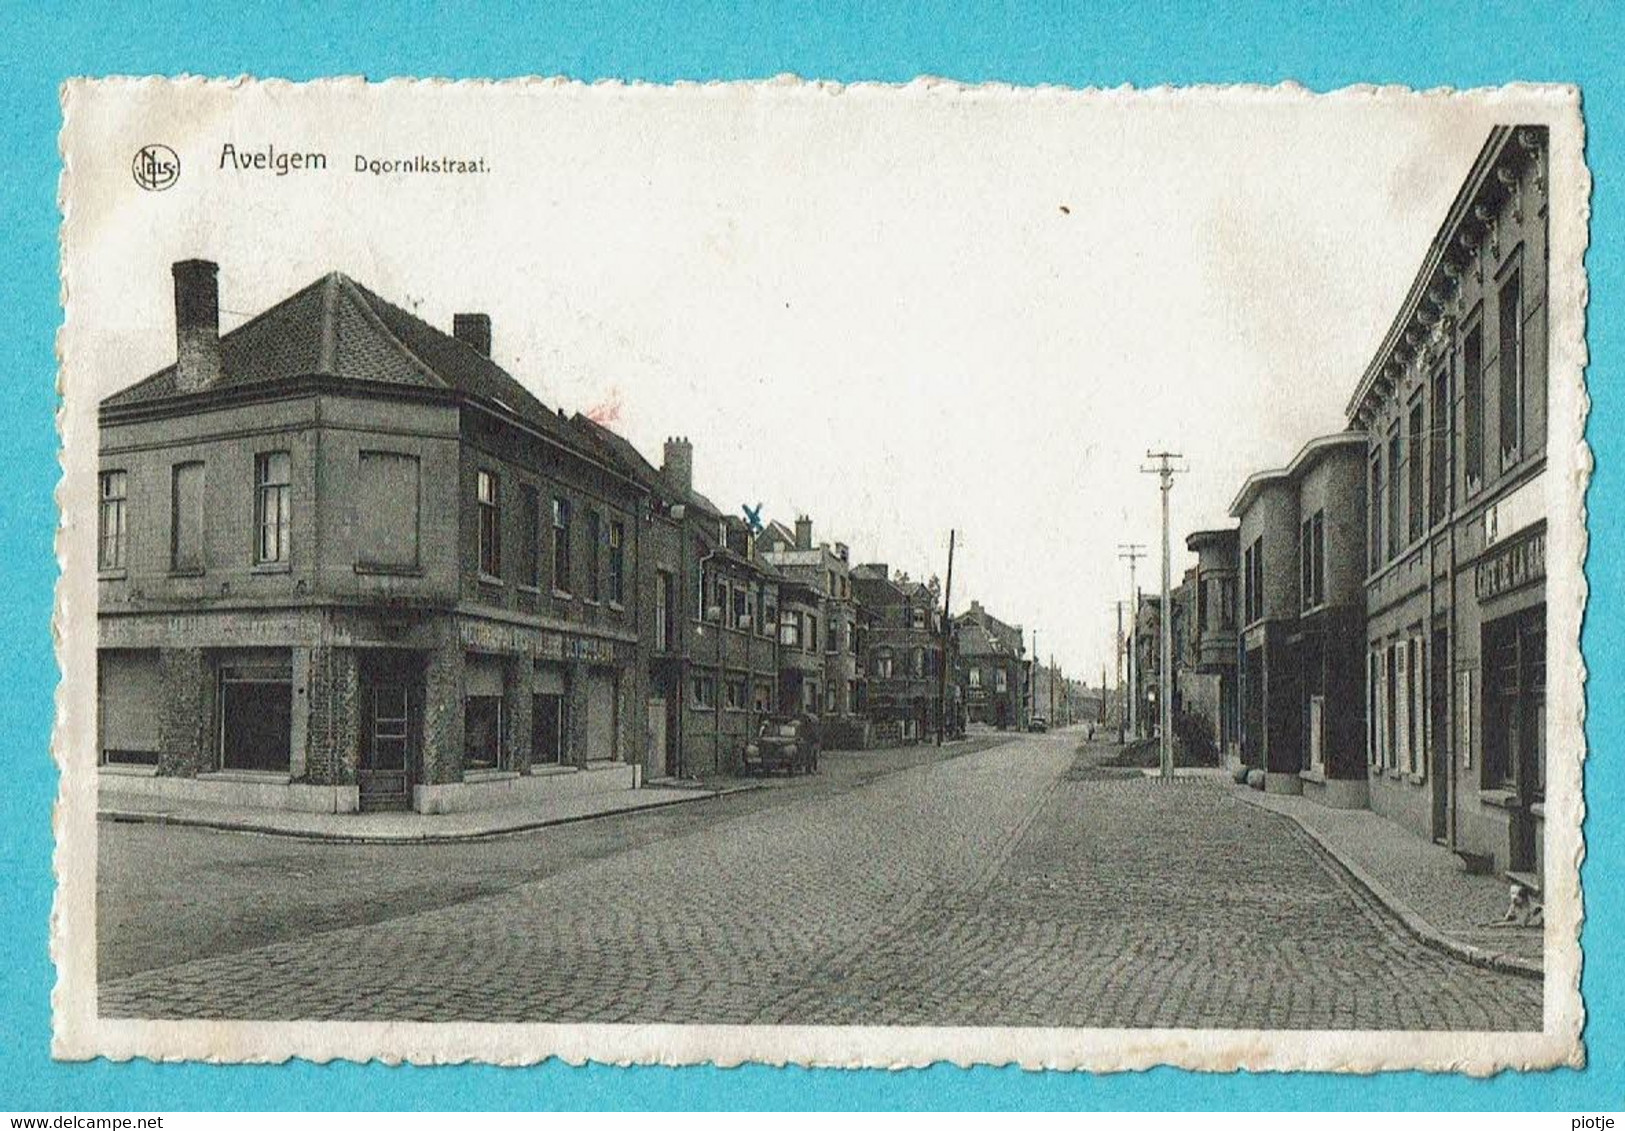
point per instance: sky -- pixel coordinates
(899, 311)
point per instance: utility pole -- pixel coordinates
(1165, 471)
(947, 631)
(1122, 696)
(1032, 680)
(1054, 714)
(1133, 551)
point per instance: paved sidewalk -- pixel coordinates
(364, 828)
(1421, 882)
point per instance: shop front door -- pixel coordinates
(388, 744)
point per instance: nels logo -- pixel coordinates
(156, 167)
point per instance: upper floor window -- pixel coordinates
(1472, 394)
(790, 630)
(1413, 472)
(884, 664)
(917, 616)
(111, 520)
(272, 516)
(665, 613)
(976, 677)
(1001, 680)
(488, 495)
(1227, 602)
(1439, 447)
(1509, 326)
(1312, 559)
(561, 545)
(595, 536)
(186, 518)
(1374, 504)
(530, 535)
(832, 636)
(386, 511)
(739, 608)
(917, 662)
(617, 562)
(1395, 462)
(1253, 582)
(812, 633)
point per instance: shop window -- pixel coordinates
(128, 705)
(273, 520)
(734, 695)
(482, 733)
(186, 518)
(1514, 731)
(256, 716)
(386, 511)
(488, 490)
(112, 528)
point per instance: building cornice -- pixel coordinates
(1429, 307)
(1306, 460)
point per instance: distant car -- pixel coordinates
(1038, 723)
(789, 743)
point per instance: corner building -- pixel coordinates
(348, 562)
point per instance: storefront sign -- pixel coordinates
(485, 636)
(1511, 567)
(204, 630)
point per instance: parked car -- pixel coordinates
(1038, 724)
(786, 742)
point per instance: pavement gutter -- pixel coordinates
(1413, 922)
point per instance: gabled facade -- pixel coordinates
(1453, 409)
(990, 664)
(346, 561)
(902, 653)
(824, 568)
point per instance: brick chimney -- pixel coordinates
(678, 464)
(473, 330)
(197, 324)
(803, 533)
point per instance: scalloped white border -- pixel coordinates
(80, 1034)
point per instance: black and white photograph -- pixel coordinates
(793, 573)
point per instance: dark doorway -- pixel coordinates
(1439, 744)
(391, 731)
(547, 729)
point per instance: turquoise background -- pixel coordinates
(1324, 47)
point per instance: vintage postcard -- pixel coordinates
(816, 574)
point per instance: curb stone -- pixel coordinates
(428, 837)
(1413, 922)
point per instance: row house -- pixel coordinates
(1453, 411)
(1301, 628)
(903, 652)
(822, 573)
(990, 666)
(1390, 640)
(347, 562)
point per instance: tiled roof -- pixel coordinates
(337, 328)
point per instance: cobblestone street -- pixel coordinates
(1013, 885)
